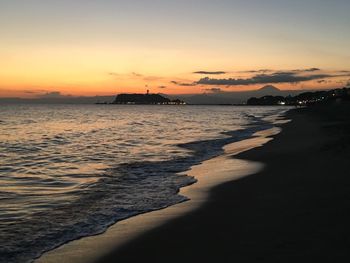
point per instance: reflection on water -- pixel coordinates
(69, 171)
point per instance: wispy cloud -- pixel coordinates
(202, 72)
(54, 95)
(306, 70)
(114, 74)
(133, 75)
(152, 78)
(214, 90)
(262, 71)
(31, 91)
(185, 84)
(256, 71)
(136, 74)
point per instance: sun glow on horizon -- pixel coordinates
(87, 49)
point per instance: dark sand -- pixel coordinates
(296, 210)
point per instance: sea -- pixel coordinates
(69, 171)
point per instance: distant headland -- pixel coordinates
(305, 98)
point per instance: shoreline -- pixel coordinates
(295, 209)
(92, 248)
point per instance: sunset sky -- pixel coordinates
(104, 47)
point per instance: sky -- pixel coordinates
(104, 47)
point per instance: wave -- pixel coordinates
(123, 191)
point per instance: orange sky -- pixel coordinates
(35, 70)
(127, 46)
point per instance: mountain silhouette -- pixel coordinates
(269, 88)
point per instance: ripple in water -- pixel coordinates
(71, 171)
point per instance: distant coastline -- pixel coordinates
(303, 99)
(267, 95)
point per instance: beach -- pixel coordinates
(101, 165)
(293, 206)
(208, 174)
(295, 209)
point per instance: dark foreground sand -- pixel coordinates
(296, 210)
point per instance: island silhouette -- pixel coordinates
(145, 99)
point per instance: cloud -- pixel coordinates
(114, 74)
(325, 81)
(30, 91)
(256, 71)
(306, 70)
(342, 82)
(53, 94)
(183, 83)
(136, 74)
(261, 71)
(277, 77)
(33, 91)
(312, 69)
(152, 78)
(162, 87)
(209, 72)
(214, 90)
(132, 74)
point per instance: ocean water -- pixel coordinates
(68, 171)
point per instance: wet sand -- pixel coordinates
(297, 209)
(210, 173)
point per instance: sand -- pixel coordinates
(210, 173)
(295, 209)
